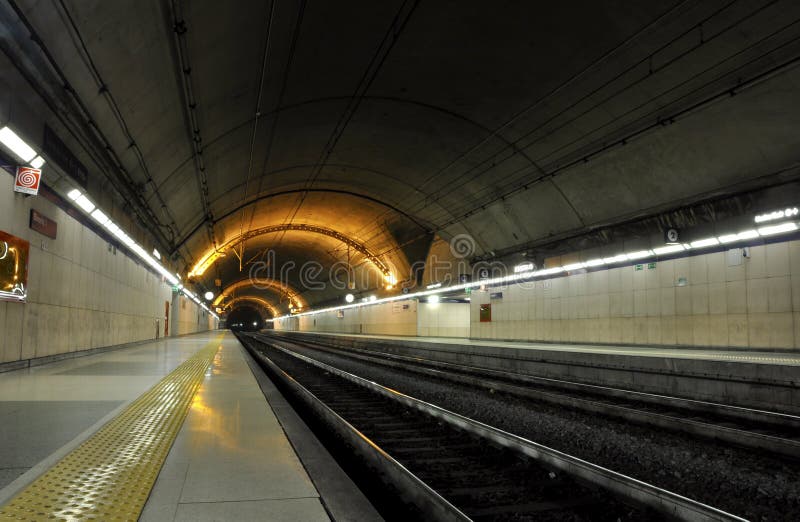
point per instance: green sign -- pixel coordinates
(638, 267)
(468, 290)
(651, 266)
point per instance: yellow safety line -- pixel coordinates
(110, 475)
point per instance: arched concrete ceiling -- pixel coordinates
(388, 121)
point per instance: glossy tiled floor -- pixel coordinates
(232, 460)
(45, 407)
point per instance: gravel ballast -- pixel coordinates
(750, 485)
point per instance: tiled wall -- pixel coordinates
(81, 294)
(186, 317)
(399, 318)
(443, 319)
(705, 300)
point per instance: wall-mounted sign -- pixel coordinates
(27, 180)
(672, 236)
(13, 267)
(496, 295)
(43, 224)
(638, 267)
(60, 153)
(339, 314)
(486, 313)
(651, 266)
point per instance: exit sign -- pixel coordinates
(638, 267)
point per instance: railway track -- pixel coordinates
(760, 430)
(451, 467)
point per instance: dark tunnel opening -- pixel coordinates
(245, 319)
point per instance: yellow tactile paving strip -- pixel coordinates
(110, 475)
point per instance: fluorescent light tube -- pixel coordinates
(639, 255)
(741, 236)
(84, 203)
(668, 249)
(778, 229)
(595, 262)
(16, 144)
(701, 243)
(99, 216)
(616, 259)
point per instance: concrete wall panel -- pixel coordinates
(693, 301)
(81, 293)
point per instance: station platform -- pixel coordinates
(780, 357)
(176, 429)
(749, 378)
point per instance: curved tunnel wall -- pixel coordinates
(81, 294)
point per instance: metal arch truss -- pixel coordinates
(373, 258)
(315, 229)
(282, 289)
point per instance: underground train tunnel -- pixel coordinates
(246, 318)
(399, 260)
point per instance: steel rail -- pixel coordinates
(433, 505)
(633, 490)
(475, 376)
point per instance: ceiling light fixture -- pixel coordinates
(84, 203)
(16, 144)
(99, 216)
(669, 249)
(702, 243)
(778, 229)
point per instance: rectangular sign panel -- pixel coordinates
(27, 180)
(60, 153)
(13, 267)
(43, 224)
(486, 313)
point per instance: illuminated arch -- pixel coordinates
(253, 299)
(273, 284)
(208, 259)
